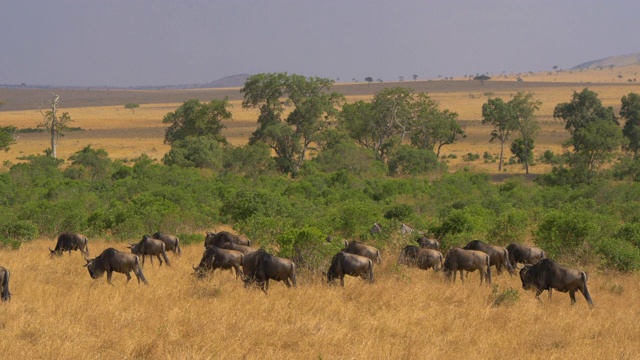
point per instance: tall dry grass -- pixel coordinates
(59, 312)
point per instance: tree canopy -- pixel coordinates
(194, 118)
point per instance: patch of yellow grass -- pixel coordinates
(58, 311)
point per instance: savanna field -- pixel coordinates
(58, 312)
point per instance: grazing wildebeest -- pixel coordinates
(215, 258)
(408, 255)
(458, 259)
(241, 248)
(4, 283)
(427, 243)
(429, 258)
(71, 241)
(376, 229)
(547, 275)
(262, 267)
(149, 246)
(499, 256)
(344, 263)
(171, 242)
(406, 229)
(113, 260)
(355, 247)
(523, 254)
(220, 238)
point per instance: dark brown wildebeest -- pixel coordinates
(71, 241)
(344, 263)
(149, 246)
(171, 242)
(355, 247)
(499, 256)
(424, 259)
(4, 283)
(113, 260)
(220, 238)
(408, 255)
(427, 243)
(262, 267)
(241, 248)
(458, 259)
(547, 275)
(523, 254)
(215, 258)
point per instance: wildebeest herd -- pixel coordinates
(256, 267)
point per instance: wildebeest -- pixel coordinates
(150, 247)
(215, 258)
(241, 248)
(355, 247)
(344, 263)
(523, 254)
(427, 243)
(547, 275)
(424, 259)
(4, 283)
(262, 267)
(406, 229)
(498, 255)
(458, 259)
(71, 241)
(171, 242)
(111, 260)
(376, 229)
(220, 238)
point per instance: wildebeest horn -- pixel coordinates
(194, 268)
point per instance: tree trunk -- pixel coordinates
(54, 123)
(501, 151)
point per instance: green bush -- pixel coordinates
(400, 212)
(566, 232)
(619, 254)
(307, 247)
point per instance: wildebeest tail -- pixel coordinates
(488, 270)
(164, 255)
(6, 294)
(293, 275)
(371, 271)
(378, 258)
(85, 251)
(138, 272)
(178, 250)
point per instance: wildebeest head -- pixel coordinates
(525, 277)
(53, 253)
(95, 270)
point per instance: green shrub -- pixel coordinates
(619, 254)
(307, 247)
(21, 230)
(399, 212)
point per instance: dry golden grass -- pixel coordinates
(59, 312)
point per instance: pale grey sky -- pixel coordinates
(161, 42)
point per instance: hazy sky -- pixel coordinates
(161, 42)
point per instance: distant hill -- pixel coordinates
(611, 61)
(226, 82)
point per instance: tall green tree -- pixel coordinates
(194, 118)
(501, 115)
(381, 124)
(595, 133)
(630, 111)
(524, 107)
(290, 133)
(433, 128)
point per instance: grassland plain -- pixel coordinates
(59, 312)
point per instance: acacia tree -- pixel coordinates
(595, 133)
(193, 119)
(630, 110)
(290, 135)
(132, 107)
(501, 115)
(7, 137)
(54, 124)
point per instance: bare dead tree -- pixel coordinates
(55, 125)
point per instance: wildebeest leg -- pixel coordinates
(549, 290)
(128, 276)
(140, 277)
(538, 292)
(461, 277)
(109, 275)
(238, 271)
(342, 280)
(572, 294)
(159, 259)
(286, 282)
